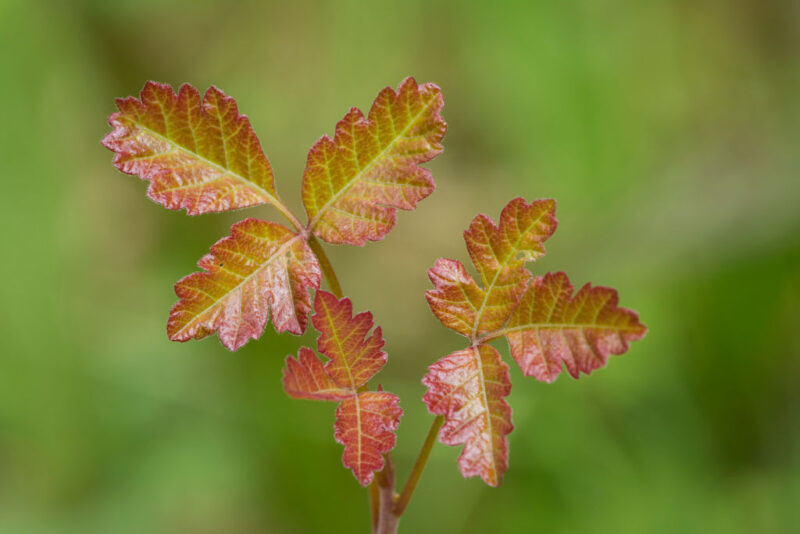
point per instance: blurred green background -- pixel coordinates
(666, 130)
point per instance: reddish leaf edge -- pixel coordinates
(286, 307)
(260, 195)
(356, 118)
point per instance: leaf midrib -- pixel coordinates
(476, 351)
(315, 219)
(557, 326)
(272, 199)
(244, 281)
(503, 264)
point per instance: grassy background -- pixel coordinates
(666, 130)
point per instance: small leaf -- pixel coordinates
(519, 236)
(366, 425)
(550, 326)
(305, 378)
(354, 183)
(354, 359)
(456, 297)
(469, 388)
(199, 156)
(499, 252)
(261, 266)
(365, 421)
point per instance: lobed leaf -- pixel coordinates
(469, 388)
(354, 358)
(354, 183)
(261, 267)
(456, 297)
(519, 236)
(499, 252)
(365, 421)
(202, 156)
(305, 378)
(365, 424)
(550, 326)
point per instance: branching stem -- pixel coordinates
(325, 265)
(385, 506)
(286, 212)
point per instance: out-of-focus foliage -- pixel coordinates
(667, 131)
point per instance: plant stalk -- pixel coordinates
(419, 466)
(388, 520)
(374, 504)
(333, 284)
(325, 265)
(386, 507)
(286, 212)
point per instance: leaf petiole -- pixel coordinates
(419, 466)
(325, 265)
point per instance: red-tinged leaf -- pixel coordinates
(354, 183)
(305, 378)
(261, 266)
(550, 326)
(354, 357)
(469, 388)
(499, 252)
(456, 297)
(366, 425)
(199, 156)
(365, 421)
(518, 237)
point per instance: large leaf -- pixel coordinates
(499, 252)
(261, 266)
(200, 156)
(550, 326)
(354, 183)
(469, 388)
(365, 421)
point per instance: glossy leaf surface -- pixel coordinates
(261, 267)
(469, 388)
(354, 183)
(499, 252)
(199, 155)
(365, 421)
(551, 326)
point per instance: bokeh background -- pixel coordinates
(666, 130)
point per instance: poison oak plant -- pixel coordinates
(201, 155)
